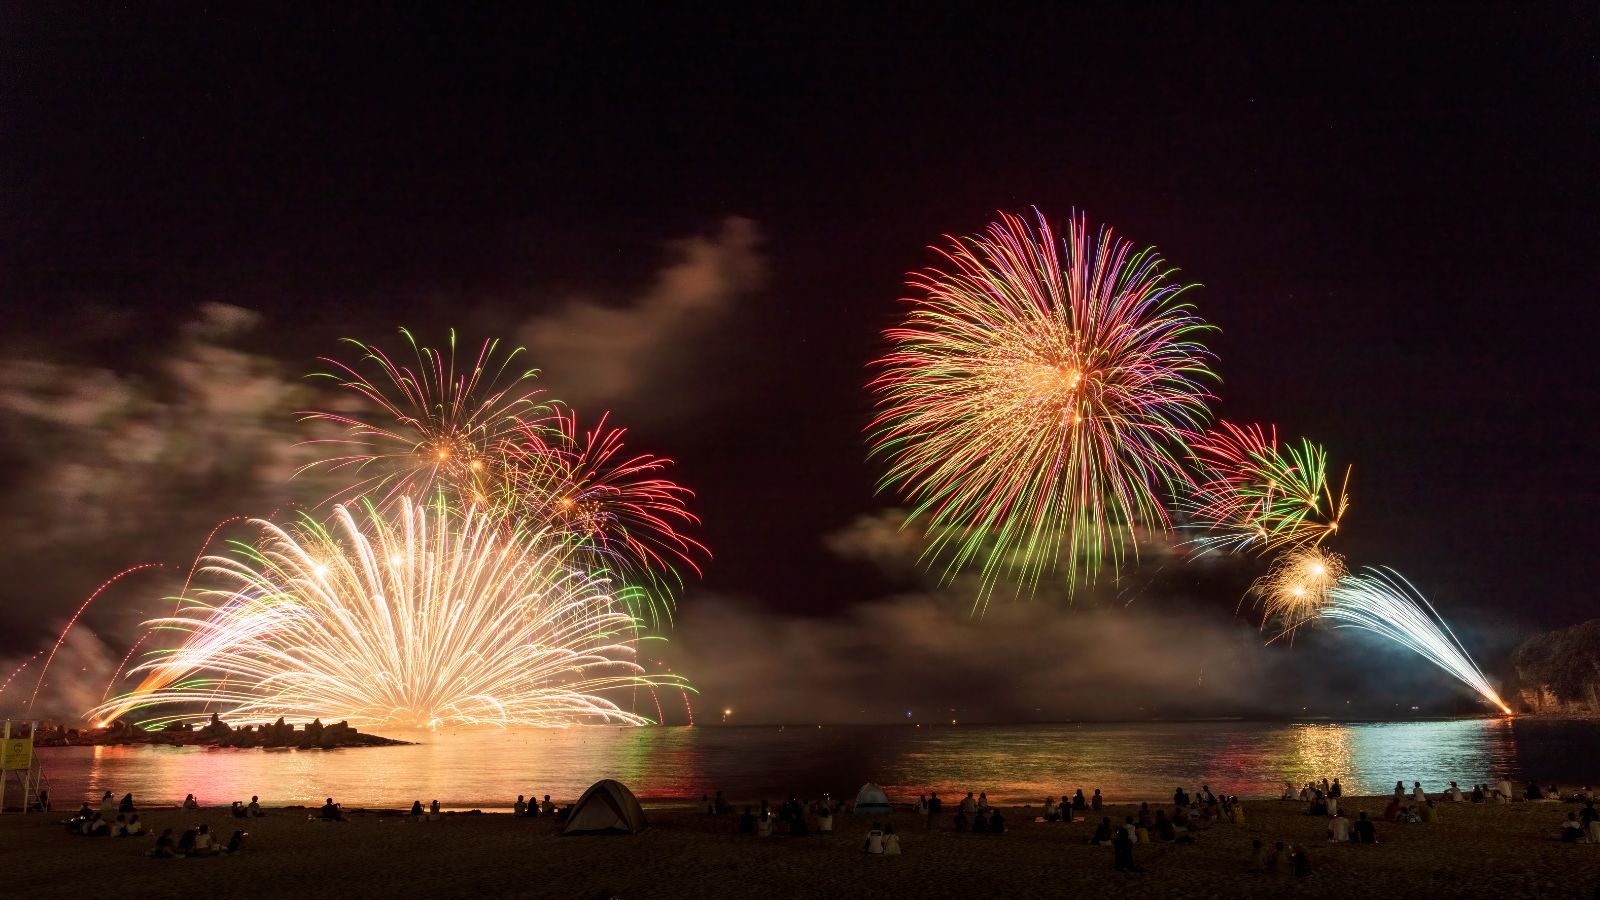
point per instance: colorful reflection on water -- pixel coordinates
(1014, 764)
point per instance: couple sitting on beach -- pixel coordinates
(417, 815)
(533, 807)
(882, 841)
(1582, 827)
(1342, 831)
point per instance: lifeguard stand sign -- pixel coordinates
(16, 765)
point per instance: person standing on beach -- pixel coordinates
(921, 809)
(1335, 790)
(935, 807)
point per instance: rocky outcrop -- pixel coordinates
(216, 733)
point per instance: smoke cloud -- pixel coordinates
(652, 349)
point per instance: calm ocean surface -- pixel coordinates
(1014, 764)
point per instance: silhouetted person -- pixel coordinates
(747, 822)
(997, 823)
(980, 823)
(1122, 853)
(126, 806)
(1366, 832)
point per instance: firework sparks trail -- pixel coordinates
(1254, 495)
(1037, 398)
(407, 616)
(43, 670)
(1385, 603)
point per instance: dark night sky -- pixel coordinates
(1393, 212)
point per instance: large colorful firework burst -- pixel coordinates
(403, 616)
(1034, 405)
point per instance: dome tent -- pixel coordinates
(607, 807)
(872, 801)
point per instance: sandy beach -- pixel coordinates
(1474, 850)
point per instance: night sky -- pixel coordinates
(1393, 213)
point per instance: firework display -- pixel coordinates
(411, 616)
(504, 564)
(429, 425)
(1385, 603)
(1034, 405)
(1253, 495)
(1297, 586)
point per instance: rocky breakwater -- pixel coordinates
(216, 733)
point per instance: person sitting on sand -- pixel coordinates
(1477, 793)
(1096, 801)
(1065, 808)
(235, 843)
(747, 822)
(891, 841)
(547, 808)
(969, 805)
(1366, 832)
(1122, 853)
(1051, 814)
(1275, 859)
(1417, 794)
(1288, 791)
(186, 842)
(1102, 833)
(108, 805)
(961, 819)
(1430, 813)
(433, 811)
(330, 812)
(875, 839)
(1163, 829)
(189, 802)
(798, 826)
(237, 810)
(254, 809)
(1454, 793)
(1391, 813)
(520, 808)
(126, 806)
(1504, 790)
(1339, 830)
(119, 828)
(417, 814)
(764, 825)
(825, 819)
(42, 802)
(1534, 792)
(980, 823)
(1078, 803)
(98, 826)
(204, 844)
(997, 823)
(1257, 861)
(983, 801)
(1571, 829)
(135, 827)
(164, 848)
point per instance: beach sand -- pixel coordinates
(1475, 850)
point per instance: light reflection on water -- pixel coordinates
(1014, 764)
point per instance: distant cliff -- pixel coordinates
(1558, 672)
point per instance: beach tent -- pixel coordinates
(872, 801)
(607, 807)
